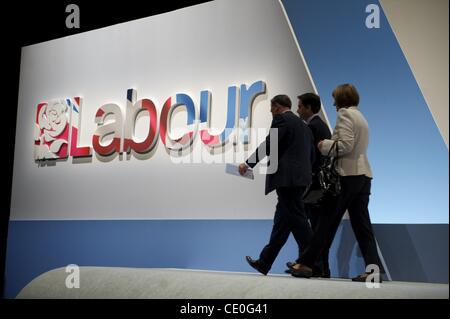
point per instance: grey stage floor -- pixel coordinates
(123, 283)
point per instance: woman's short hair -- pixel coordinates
(346, 95)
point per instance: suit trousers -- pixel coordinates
(354, 197)
(290, 216)
(317, 215)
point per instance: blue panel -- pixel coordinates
(408, 155)
(35, 247)
(412, 252)
(415, 252)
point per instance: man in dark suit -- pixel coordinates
(294, 159)
(308, 109)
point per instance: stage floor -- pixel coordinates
(153, 283)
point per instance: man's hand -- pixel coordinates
(243, 168)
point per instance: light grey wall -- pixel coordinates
(210, 46)
(421, 28)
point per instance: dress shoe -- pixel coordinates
(291, 264)
(317, 273)
(256, 265)
(363, 277)
(303, 271)
(326, 273)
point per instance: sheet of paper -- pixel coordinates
(234, 170)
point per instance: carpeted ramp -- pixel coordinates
(137, 283)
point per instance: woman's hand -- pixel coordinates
(319, 145)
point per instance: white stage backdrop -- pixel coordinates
(210, 47)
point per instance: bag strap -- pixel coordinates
(334, 158)
(335, 145)
(337, 150)
(331, 148)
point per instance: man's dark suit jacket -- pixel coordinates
(320, 131)
(296, 153)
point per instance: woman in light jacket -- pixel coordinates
(352, 134)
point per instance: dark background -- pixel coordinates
(25, 23)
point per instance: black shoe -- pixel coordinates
(291, 264)
(317, 273)
(302, 272)
(256, 264)
(326, 273)
(363, 278)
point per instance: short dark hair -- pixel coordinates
(282, 100)
(346, 95)
(312, 100)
